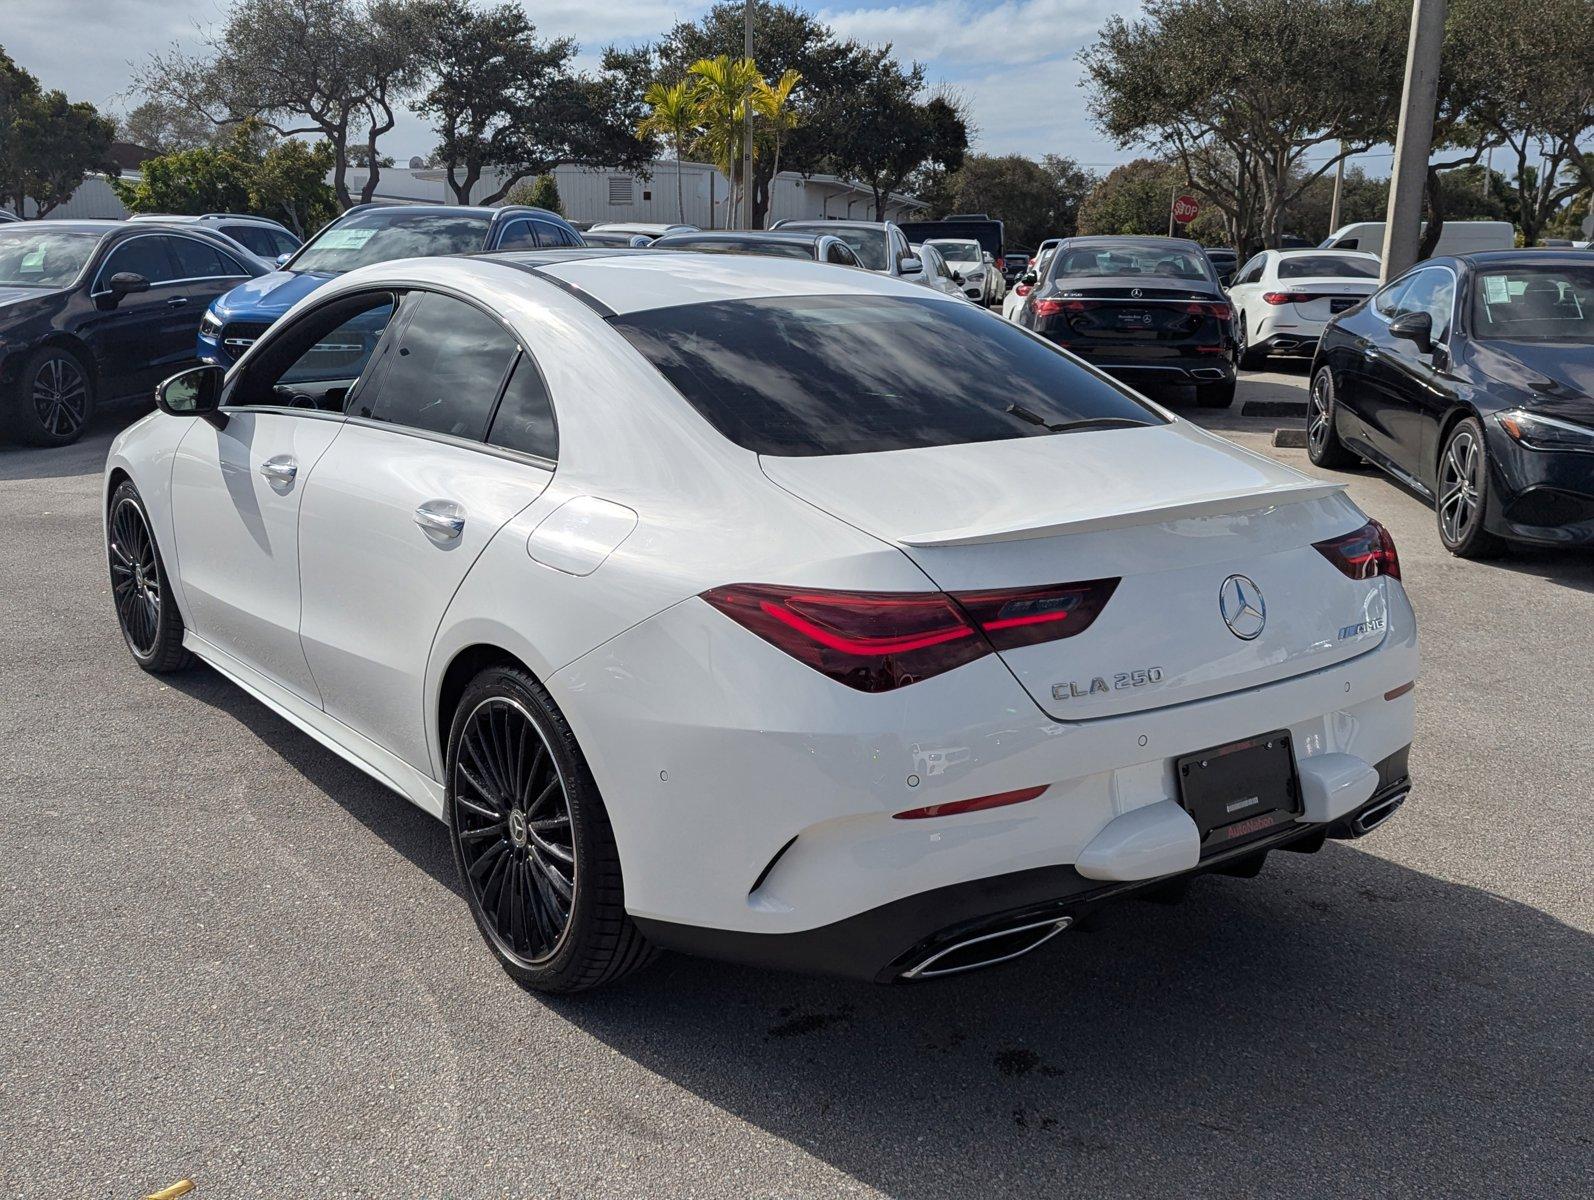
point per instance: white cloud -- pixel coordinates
(956, 34)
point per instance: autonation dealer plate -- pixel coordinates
(1240, 791)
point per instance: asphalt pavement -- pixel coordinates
(230, 957)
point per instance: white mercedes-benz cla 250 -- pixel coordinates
(760, 609)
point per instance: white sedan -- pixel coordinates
(1283, 298)
(762, 609)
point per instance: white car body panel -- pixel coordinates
(713, 748)
(1302, 323)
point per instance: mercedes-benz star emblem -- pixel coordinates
(1136, 293)
(1244, 611)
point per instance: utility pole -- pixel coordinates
(747, 121)
(1339, 187)
(1488, 170)
(1414, 140)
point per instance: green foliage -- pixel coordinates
(48, 144)
(1034, 200)
(287, 182)
(1131, 199)
(541, 192)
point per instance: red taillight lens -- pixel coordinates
(1220, 311)
(870, 641)
(1286, 297)
(877, 641)
(1012, 617)
(1364, 554)
(1022, 289)
(1046, 308)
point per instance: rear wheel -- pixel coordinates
(1464, 493)
(151, 624)
(1323, 446)
(54, 399)
(1215, 395)
(1247, 357)
(532, 840)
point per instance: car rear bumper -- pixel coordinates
(1186, 371)
(1303, 345)
(984, 921)
(746, 800)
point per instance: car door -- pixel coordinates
(129, 335)
(1405, 391)
(237, 485)
(1357, 388)
(400, 507)
(1245, 289)
(205, 271)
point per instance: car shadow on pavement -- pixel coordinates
(1340, 1026)
(83, 457)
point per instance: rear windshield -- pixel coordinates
(1129, 259)
(1309, 266)
(868, 244)
(1546, 304)
(31, 256)
(388, 233)
(854, 374)
(777, 247)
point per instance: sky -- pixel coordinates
(1013, 61)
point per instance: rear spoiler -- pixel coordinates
(1251, 500)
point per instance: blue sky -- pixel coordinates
(1013, 60)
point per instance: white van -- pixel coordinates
(1457, 237)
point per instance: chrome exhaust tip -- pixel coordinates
(988, 949)
(1371, 817)
(1207, 373)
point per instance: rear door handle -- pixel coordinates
(280, 469)
(441, 518)
(176, 300)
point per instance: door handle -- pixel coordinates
(443, 518)
(280, 469)
(176, 300)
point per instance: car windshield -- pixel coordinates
(1342, 266)
(959, 251)
(43, 258)
(856, 374)
(868, 244)
(771, 246)
(1541, 304)
(387, 233)
(1116, 260)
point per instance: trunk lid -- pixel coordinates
(1330, 296)
(1171, 511)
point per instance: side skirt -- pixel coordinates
(381, 765)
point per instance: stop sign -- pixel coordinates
(1185, 209)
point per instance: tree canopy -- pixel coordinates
(48, 143)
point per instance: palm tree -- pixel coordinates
(723, 88)
(773, 103)
(674, 115)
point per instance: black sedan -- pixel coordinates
(1471, 380)
(1145, 309)
(776, 243)
(96, 312)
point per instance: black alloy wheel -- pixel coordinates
(1323, 446)
(532, 840)
(151, 625)
(54, 401)
(1463, 493)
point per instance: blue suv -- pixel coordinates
(370, 233)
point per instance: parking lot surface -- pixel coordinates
(231, 957)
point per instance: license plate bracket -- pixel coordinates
(1340, 305)
(1241, 790)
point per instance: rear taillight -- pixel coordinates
(1365, 553)
(1221, 311)
(1046, 308)
(1287, 297)
(1022, 289)
(877, 641)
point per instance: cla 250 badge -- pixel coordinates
(1075, 689)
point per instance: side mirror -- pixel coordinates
(120, 285)
(1414, 327)
(1028, 277)
(957, 276)
(909, 265)
(195, 392)
(282, 259)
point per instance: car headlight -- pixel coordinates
(210, 324)
(976, 275)
(1539, 432)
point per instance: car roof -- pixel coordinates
(1526, 256)
(800, 237)
(1103, 239)
(832, 222)
(628, 281)
(79, 224)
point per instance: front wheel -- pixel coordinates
(1246, 357)
(54, 400)
(532, 840)
(1464, 494)
(1323, 446)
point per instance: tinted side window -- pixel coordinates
(517, 235)
(1385, 302)
(144, 256)
(196, 260)
(1430, 292)
(1253, 270)
(840, 254)
(315, 361)
(281, 243)
(550, 234)
(450, 360)
(524, 420)
(256, 239)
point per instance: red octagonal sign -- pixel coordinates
(1185, 209)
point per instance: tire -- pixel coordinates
(1215, 395)
(145, 609)
(1463, 492)
(1245, 356)
(1323, 446)
(533, 844)
(54, 400)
